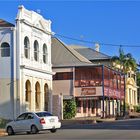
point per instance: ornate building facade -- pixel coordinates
(131, 90)
(25, 64)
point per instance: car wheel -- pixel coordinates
(53, 130)
(10, 130)
(34, 129)
(28, 132)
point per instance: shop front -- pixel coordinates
(88, 106)
(98, 91)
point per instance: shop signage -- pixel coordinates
(88, 91)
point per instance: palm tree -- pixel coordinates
(125, 61)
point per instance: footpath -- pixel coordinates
(2, 132)
(89, 120)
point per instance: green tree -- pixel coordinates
(126, 61)
(69, 109)
(138, 79)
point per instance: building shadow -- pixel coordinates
(131, 124)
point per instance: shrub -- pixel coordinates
(136, 108)
(127, 107)
(69, 109)
(3, 122)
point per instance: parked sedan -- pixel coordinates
(33, 122)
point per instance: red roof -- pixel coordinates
(4, 23)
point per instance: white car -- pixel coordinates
(33, 122)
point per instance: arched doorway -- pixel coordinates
(46, 97)
(37, 96)
(28, 94)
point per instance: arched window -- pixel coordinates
(45, 54)
(46, 97)
(36, 51)
(37, 95)
(5, 49)
(28, 93)
(26, 47)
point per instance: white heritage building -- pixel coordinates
(25, 64)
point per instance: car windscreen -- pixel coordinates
(43, 114)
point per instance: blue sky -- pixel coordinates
(113, 22)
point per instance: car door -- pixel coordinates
(28, 121)
(19, 123)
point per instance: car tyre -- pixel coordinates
(53, 130)
(28, 132)
(10, 130)
(34, 129)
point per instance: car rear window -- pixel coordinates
(43, 114)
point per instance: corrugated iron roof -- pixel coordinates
(90, 53)
(62, 55)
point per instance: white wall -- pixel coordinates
(35, 27)
(6, 106)
(5, 62)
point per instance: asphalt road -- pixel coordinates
(119, 130)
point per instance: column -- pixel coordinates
(89, 107)
(50, 95)
(95, 107)
(133, 98)
(86, 107)
(23, 94)
(41, 95)
(61, 105)
(136, 98)
(127, 96)
(131, 94)
(113, 108)
(33, 95)
(81, 107)
(103, 108)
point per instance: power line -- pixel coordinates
(93, 42)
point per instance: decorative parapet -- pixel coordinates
(34, 19)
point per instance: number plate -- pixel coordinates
(51, 120)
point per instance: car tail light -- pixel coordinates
(42, 121)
